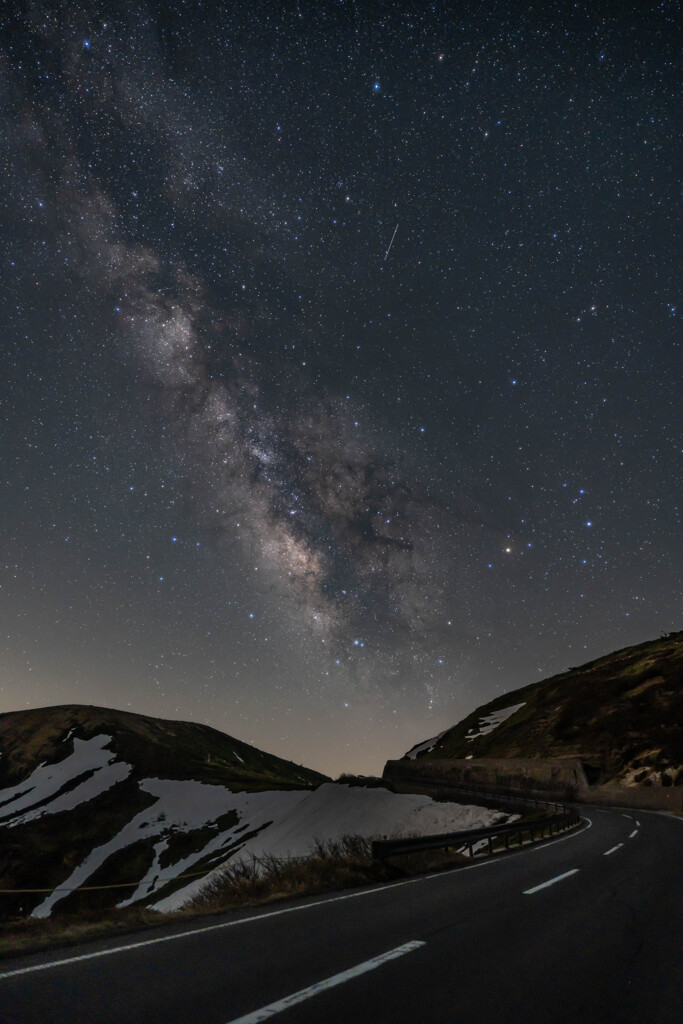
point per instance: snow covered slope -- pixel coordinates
(97, 798)
(109, 798)
(335, 810)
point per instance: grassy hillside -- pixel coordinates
(153, 795)
(155, 746)
(622, 715)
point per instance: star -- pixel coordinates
(203, 296)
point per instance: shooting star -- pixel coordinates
(390, 243)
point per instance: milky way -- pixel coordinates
(264, 471)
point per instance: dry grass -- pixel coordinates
(22, 935)
(334, 864)
(331, 865)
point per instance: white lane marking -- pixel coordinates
(276, 913)
(266, 1012)
(286, 910)
(612, 850)
(551, 881)
(638, 824)
(208, 928)
(634, 833)
(626, 815)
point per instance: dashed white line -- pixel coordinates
(612, 850)
(638, 824)
(634, 833)
(321, 986)
(551, 881)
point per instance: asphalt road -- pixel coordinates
(488, 944)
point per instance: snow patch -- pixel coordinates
(426, 746)
(490, 722)
(333, 811)
(181, 806)
(287, 823)
(39, 794)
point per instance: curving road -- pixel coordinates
(583, 930)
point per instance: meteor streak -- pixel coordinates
(390, 243)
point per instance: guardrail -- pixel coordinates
(536, 831)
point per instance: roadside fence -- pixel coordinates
(492, 839)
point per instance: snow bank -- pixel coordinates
(334, 810)
(287, 823)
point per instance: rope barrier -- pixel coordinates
(114, 885)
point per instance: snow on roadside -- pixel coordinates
(39, 794)
(254, 811)
(490, 722)
(335, 810)
(288, 822)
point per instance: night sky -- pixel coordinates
(340, 385)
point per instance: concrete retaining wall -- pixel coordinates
(556, 779)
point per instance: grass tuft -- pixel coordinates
(331, 864)
(22, 935)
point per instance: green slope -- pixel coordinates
(622, 715)
(155, 746)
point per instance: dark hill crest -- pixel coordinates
(620, 714)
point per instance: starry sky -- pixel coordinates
(339, 365)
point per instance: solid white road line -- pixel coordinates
(544, 885)
(321, 986)
(634, 833)
(285, 910)
(208, 928)
(613, 850)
